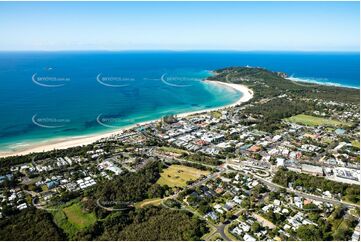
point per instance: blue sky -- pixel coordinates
(310, 26)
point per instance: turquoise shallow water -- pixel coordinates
(47, 95)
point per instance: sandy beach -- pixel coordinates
(64, 143)
(247, 94)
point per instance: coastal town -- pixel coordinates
(242, 179)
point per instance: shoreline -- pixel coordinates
(307, 81)
(68, 142)
(247, 94)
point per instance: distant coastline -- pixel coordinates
(68, 142)
(315, 81)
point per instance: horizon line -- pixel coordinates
(174, 50)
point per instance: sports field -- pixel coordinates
(315, 121)
(178, 175)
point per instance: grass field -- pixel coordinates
(151, 201)
(77, 217)
(44, 188)
(355, 143)
(173, 150)
(340, 225)
(178, 175)
(335, 223)
(71, 219)
(315, 121)
(216, 114)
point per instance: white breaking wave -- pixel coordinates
(319, 81)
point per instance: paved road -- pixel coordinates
(301, 194)
(307, 195)
(219, 228)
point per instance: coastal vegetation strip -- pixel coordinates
(276, 97)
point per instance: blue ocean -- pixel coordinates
(45, 95)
